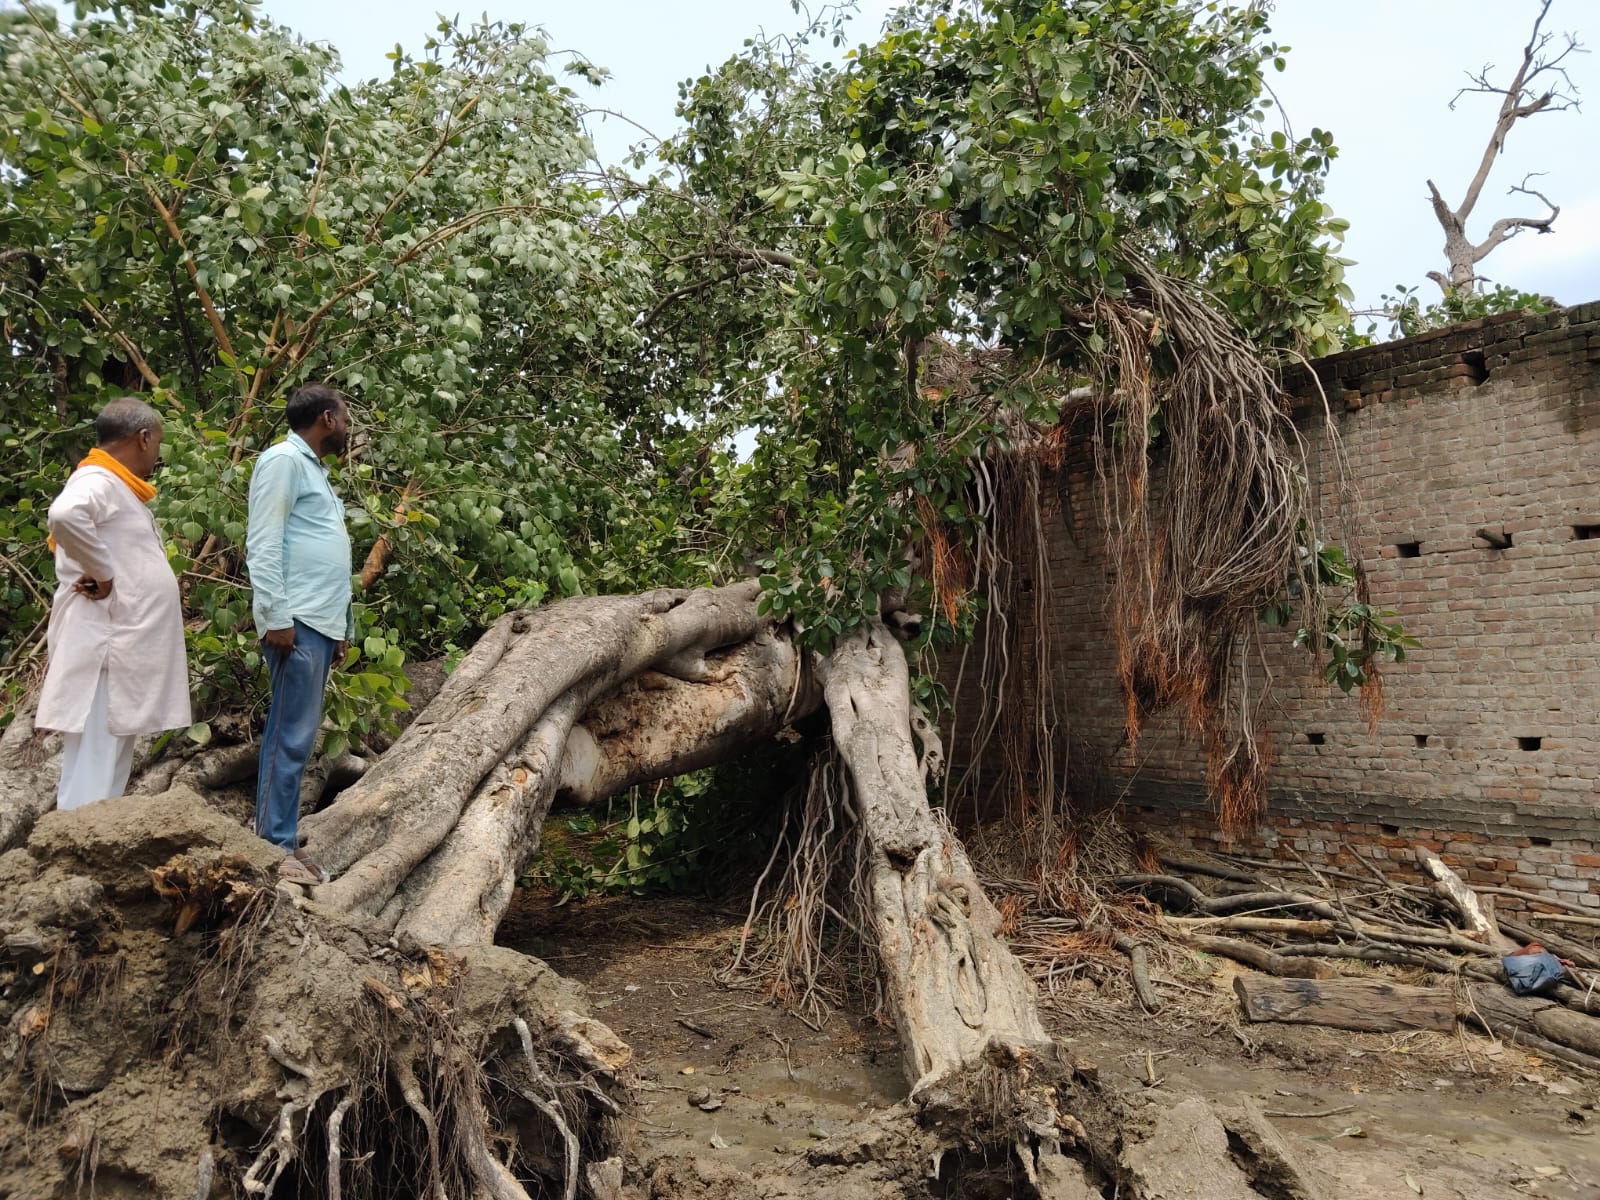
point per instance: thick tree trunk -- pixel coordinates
(515, 696)
(953, 985)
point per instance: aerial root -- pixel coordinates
(411, 1093)
(204, 1172)
(490, 1172)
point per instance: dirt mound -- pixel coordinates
(178, 1023)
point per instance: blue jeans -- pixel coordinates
(298, 680)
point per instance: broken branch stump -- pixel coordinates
(1450, 886)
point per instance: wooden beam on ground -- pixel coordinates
(1365, 1006)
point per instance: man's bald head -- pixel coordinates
(130, 431)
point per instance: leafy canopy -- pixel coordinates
(778, 344)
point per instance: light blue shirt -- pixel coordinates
(297, 548)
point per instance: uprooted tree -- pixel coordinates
(988, 241)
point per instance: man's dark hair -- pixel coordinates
(309, 403)
(124, 418)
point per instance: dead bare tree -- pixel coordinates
(1540, 85)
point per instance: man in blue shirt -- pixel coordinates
(298, 554)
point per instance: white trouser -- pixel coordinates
(95, 764)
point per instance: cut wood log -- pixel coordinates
(1373, 1007)
(1561, 947)
(1505, 1015)
(1259, 957)
(1365, 1006)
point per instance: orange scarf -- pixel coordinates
(142, 488)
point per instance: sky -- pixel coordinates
(1379, 73)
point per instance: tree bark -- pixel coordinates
(405, 809)
(30, 770)
(953, 985)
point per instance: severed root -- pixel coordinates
(277, 1154)
(549, 1107)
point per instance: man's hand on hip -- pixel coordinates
(281, 640)
(95, 589)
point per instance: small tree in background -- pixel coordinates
(1540, 85)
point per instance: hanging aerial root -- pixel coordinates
(786, 944)
(1203, 546)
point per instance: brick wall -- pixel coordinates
(1489, 745)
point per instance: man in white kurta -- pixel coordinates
(117, 665)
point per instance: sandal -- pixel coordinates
(303, 871)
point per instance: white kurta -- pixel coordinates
(135, 635)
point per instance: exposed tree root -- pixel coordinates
(30, 769)
(272, 1040)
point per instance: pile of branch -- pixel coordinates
(1298, 932)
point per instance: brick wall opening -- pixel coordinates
(1473, 366)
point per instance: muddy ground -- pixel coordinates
(731, 1082)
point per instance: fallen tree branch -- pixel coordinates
(1258, 957)
(1139, 970)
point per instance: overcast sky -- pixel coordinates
(1379, 73)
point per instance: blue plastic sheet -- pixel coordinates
(1529, 973)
